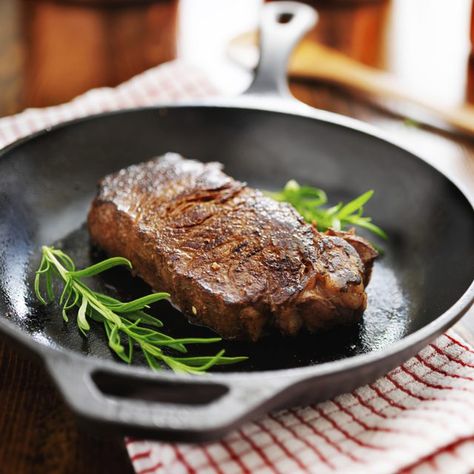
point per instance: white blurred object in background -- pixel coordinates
(428, 46)
(202, 38)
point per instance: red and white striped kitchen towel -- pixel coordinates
(419, 418)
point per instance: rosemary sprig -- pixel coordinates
(127, 325)
(310, 202)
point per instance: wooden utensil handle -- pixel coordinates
(312, 60)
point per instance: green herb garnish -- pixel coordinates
(126, 325)
(310, 202)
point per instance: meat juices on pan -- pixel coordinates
(231, 258)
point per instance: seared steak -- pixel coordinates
(231, 258)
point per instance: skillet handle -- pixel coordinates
(165, 406)
(282, 25)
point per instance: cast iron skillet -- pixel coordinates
(420, 287)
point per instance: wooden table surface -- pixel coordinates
(51, 51)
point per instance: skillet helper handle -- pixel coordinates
(171, 407)
(282, 25)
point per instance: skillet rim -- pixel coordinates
(289, 107)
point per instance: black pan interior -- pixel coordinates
(47, 183)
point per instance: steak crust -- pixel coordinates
(231, 258)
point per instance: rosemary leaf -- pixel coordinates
(101, 267)
(126, 325)
(309, 202)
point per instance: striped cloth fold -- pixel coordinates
(173, 81)
(419, 418)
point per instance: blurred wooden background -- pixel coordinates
(51, 51)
